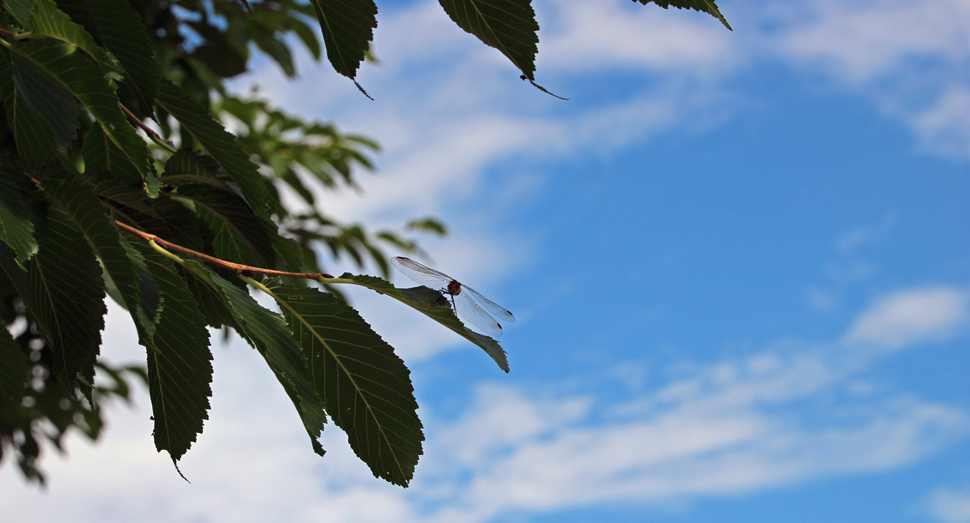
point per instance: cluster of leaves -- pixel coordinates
(178, 235)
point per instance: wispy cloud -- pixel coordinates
(912, 317)
(949, 506)
(908, 57)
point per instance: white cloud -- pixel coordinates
(949, 506)
(908, 57)
(789, 414)
(911, 317)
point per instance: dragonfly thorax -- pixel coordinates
(454, 288)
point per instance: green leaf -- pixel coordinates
(507, 25)
(79, 13)
(149, 295)
(162, 216)
(348, 28)
(706, 6)
(20, 9)
(214, 309)
(365, 387)
(435, 307)
(274, 48)
(86, 82)
(89, 215)
(239, 235)
(13, 367)
(179, 361)
(124, 34)
(100, 153)
(35, 140)
(17, 216)
(48, 98)
(268, 333)
(64, 293)
(291, 253)
(218, 142)
(47, 20)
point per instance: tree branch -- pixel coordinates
(148, 130)
(235, 267)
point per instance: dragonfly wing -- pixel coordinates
(493, 308)
(474, 314)
(420, 274)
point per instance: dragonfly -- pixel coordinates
(466, 301)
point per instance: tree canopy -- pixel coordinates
(179, 221)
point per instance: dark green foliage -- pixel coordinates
(82, 193)
(705, 6)
(31, 132)
(179, 361)
(431, 303)
(268, 333)
(507, 25)
(17, 214)
(365, 387)
(348, 28)
(122, 33)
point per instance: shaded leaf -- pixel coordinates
(160, 216)
(88, 214)
(17, 216)
(179, 361)
(35, 140)
(435, 310)
(48, 98)
(239, 235)
(218, 142)
(20, 9)
(366, 388)
(100, 153)
(13, 367)
(705, 6)
(124, 33)
(63, 291)
(267, 332)
(348, 28)
(47, 20)
(86, 82)
(507, 25)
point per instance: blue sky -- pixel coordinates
(739, 264)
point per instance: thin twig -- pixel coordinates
(148, 130)
(236, 267)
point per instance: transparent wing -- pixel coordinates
(474, 314)
(420, 274)
(493, 308)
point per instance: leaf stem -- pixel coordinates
(16, 35)
(236, 267)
